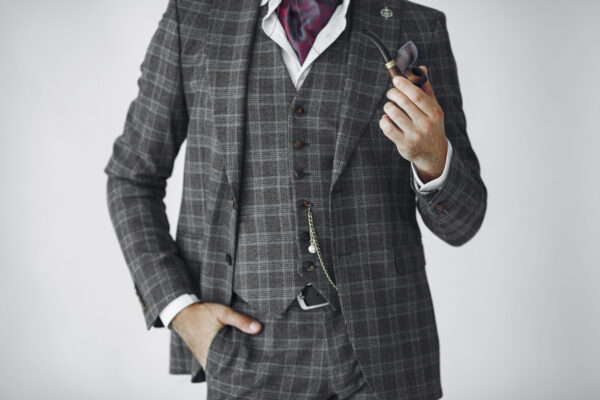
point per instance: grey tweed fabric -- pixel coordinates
(298, 355)
(194, 85)
(272, 258)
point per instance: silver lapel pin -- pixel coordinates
(386, 13)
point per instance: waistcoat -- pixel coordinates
(289, 145)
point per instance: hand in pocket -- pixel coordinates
(199, 323)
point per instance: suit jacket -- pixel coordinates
(193, 85)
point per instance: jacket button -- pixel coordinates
(303, 203)
(299, 173)
(228, 258)
(298, 144)
(142, 303)
(299, 110)
(309, 267)
(306, 235)
(232, 202)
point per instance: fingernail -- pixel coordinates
(396, 80)
(254, 326)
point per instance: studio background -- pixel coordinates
(517, 307)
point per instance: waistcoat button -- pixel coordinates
(310, 267)
(299, 110)
(303, 203)
(228, 258)
(299, 173)
(298, 144)
(306, 235)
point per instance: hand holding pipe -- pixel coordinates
(405, 57)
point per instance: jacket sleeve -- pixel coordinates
(141, 162)
(455, 211)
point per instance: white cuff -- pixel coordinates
(173, 308)
(437, 182)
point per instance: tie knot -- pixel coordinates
(302, 21)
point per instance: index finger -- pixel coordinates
(425, 102)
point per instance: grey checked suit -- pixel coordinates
(195, 85)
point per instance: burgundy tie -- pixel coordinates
(303, 20)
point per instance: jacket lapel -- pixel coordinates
(367, 80)
(229, 40)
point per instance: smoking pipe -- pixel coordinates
(414, 74)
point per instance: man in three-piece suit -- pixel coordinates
(304, 167)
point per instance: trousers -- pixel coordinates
(300, 354)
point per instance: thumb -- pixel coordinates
(240, 321)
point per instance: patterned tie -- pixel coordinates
(303, 20)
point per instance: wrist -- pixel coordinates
(182, 318)
(428, 170)
(428, 173)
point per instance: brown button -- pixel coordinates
(303, 203)
(139, 296)
(298, 144)
(299, 173)
(299, 110)
(441, 209)
(310, 267)
(142, 303)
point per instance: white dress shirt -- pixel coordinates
(330, 32)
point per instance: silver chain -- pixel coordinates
(315, 244)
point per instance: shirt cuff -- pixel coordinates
(173, 308)
(437, 182)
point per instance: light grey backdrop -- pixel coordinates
(517, 307)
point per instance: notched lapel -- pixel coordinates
(229, 41)
(367, 80)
